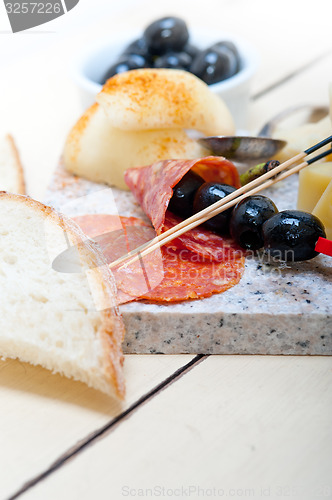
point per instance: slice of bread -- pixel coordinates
(11, 170)
(66, 322)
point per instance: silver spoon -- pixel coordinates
(242, 148)
(247, 149)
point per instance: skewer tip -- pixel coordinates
(324, 246)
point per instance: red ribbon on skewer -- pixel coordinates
(324, 246)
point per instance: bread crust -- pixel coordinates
(111, 331)
(21, 189)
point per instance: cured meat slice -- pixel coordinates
(117, 236)
(95, 225)
(171, 274)
(152, 185)
(187, 278)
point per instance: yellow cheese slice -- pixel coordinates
(149, 99)
(99, 152)
(323, 210)
(313, 181)
(302, 137)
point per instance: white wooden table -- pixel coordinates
(191, 427)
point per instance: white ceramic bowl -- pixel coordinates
(91, 66)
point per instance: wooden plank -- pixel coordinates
(247, 426)
(308, 87)
(43, 415)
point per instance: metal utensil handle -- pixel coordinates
(316, 111)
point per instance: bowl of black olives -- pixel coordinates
(221, 60)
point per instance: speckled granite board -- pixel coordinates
(275, 309)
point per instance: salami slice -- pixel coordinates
(187, 278)
(152, 185)
(96, 225)
(117, 236)
(171, 274)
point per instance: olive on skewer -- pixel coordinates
(254, 172)
(292, 235)
(254, 222)
(208, 194)
(248, 218)
(184, 192)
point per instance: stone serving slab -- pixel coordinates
(275, 309)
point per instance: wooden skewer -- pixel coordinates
(176, 231)
(230, 200)
(197, 217)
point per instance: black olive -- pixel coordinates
(137, 47)
(292, 235)
(207, 195)
(166, 34)
(126, 63)
(248, 218)
(184, 192)
(191, 50)
(214, 65)
(174, 60)
(232, 47)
